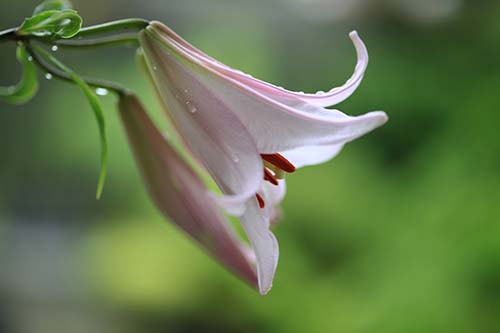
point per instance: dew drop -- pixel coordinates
(235, 158)
(101, 91)
(48, 76)
(30, 58)
(186, 91)
(155, 68)
(320, 92)
(54, 48)
(193, 109)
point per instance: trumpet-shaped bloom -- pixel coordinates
(247, 133)
(181, 195)
(228, 118)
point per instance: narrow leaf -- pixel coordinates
(27, 87)
(56, 23)
(52, 5)
(96, 107)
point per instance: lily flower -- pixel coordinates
(248, 133)
(181, 196)
(233, 122)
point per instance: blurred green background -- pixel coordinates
(400, 233)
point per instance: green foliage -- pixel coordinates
(27, 87)
(54, 23)
(96, 107)
(52, 5)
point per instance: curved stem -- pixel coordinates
(126, 39)
(114, 26)
(111, 86)
(108, 27)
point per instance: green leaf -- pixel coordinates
(56, 23)
(52, 5)
(27, 87)
(96, 107)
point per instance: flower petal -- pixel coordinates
(265, 245)
(180, 194)
(312, 155)
(213, 133)
(275, 125)
(273, 195)
(330, 98)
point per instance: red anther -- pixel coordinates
(279, 161)
(269, 177)
(262, 204)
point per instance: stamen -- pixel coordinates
(262, 204)
(280, 161)
(270, 177)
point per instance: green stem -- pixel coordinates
(126, 39)
(111, 86)
(109, 27)
(114, 26)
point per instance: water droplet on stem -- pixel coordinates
(101, 91)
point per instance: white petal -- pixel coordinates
(273, 195)
(275, 125)
(330, 98)
(312, 155)
(213, 132)
(180, 194)
(263, 242)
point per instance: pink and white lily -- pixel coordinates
(181, 195)
(247, 132)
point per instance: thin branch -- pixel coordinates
(114, 26)
(126, 39)
(111, 86)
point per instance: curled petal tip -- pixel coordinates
(378, 118)
(353, 34)
(384, 117)
(381, 117)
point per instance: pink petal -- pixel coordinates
(180, 194)
(330, 98)
(265, 245)
(210, 129)
(312, 155)
(273, 195)
(275, 125)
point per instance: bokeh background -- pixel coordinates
(400, 233)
